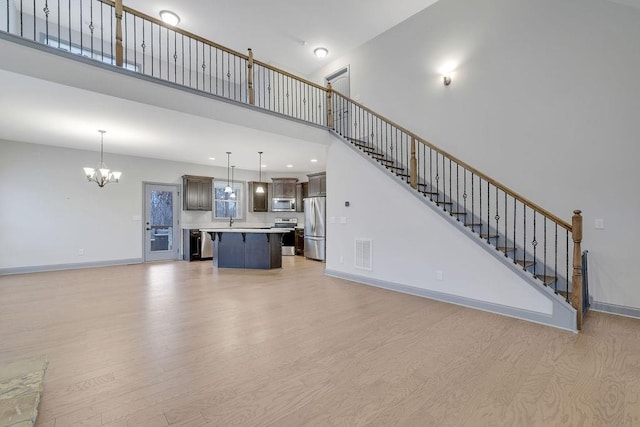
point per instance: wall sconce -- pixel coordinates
(446, 71)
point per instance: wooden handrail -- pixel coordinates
(293, 76)
(176, 29)
(564, 224)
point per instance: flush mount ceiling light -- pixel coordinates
(260, 188)
(101, 175)
(169, 17)
(321, 52)
(289, 166)
(314, 160)
(228, 188)
(446, 70)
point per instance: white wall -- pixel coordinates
(544, 98)
(49, 210)
(411, 241)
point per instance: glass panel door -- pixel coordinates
(161, 241)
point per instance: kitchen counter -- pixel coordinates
(255, 248)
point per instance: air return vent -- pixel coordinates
(363, 259)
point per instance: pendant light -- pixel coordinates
(233, 194)
(260, 188)
(228, 188)
(101, 175)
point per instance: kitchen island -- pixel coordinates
(257, 248)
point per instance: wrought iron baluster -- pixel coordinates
(555, 265)
(59, 19)
(515, 205)
(144, 47)
(473, 203)
(567, 263)
(152, 50)
(544, 242)
(506, 215)
(524, 236)
(534, 242)
(81, 34)
(34, 20)
(46, 19)
(91, 26)
(480, 203)
(464, 190)
(211, 72)
(497, 218)
(22, 24)
(488, 208)
(437, 177)
(175, 57)
(102, 33)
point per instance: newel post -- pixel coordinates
(329, 106)
(413, 167)
(119, 49)
(252, 95)
(576, 281)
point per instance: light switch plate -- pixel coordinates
(599, 224)
(332, 220)
(343, 220)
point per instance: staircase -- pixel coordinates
(543, 246)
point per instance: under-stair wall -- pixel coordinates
(418, 250)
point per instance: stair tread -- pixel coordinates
(547, 280)
(506, 248)
(394, 167)
(525, 264)
(489, 236)
(458, 213)
(443, 202)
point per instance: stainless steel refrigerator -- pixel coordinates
(314, 227)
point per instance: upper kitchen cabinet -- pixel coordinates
(302, 190)
(317, 184)
(196, 191)
(258, 202)
(284, 188)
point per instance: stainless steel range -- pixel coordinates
(288, 239)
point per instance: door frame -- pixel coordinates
(177, 235)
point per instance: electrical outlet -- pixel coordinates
(332, 220)
(80, 252)
(343, 220)
(599, 224)
(439, 275)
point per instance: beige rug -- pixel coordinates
(20, 387)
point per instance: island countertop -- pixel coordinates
(246, 230)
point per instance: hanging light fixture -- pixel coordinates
(233, 194)
(260, 188)
(228, 188)
(101, 175)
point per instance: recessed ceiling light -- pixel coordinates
(169, 17)
(289, 166)
(314, 160)
(321, 52)
(212, 158)
(264, 166)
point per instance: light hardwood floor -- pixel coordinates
(183, 344)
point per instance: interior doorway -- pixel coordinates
(161, 224)
(340, 82)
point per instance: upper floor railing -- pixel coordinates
(111, 33)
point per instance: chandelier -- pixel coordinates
(101, 175)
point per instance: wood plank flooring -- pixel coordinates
(183, 344)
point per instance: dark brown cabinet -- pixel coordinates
(301, 192)
(299, 241)
(284, 188)
(258, 202)
(317, 184)
(196, 191)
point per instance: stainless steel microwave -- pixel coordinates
(283, 205)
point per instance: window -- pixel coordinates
(223, 205)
